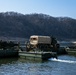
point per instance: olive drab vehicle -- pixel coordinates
(42, 43)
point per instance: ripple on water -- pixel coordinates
(50, 67)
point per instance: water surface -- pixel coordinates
(64, 65)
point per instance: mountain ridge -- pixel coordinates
(13, 24)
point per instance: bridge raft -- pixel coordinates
(37, 55)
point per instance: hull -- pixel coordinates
(8, 53)
(37, 55)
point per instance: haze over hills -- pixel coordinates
(14, 24)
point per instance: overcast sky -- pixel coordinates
(55, 8)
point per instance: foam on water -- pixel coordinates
(61, 60)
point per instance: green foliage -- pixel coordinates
(7, 45)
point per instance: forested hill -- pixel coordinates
(18, 25)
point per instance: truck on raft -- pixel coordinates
(40, 47)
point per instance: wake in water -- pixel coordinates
(60, 60)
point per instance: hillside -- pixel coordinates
(18, 25)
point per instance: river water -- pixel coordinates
(64, 65)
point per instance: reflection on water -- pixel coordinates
(65, 65)
(7, 60)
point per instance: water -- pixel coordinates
(64, 65)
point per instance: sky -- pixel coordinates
(55, 8)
